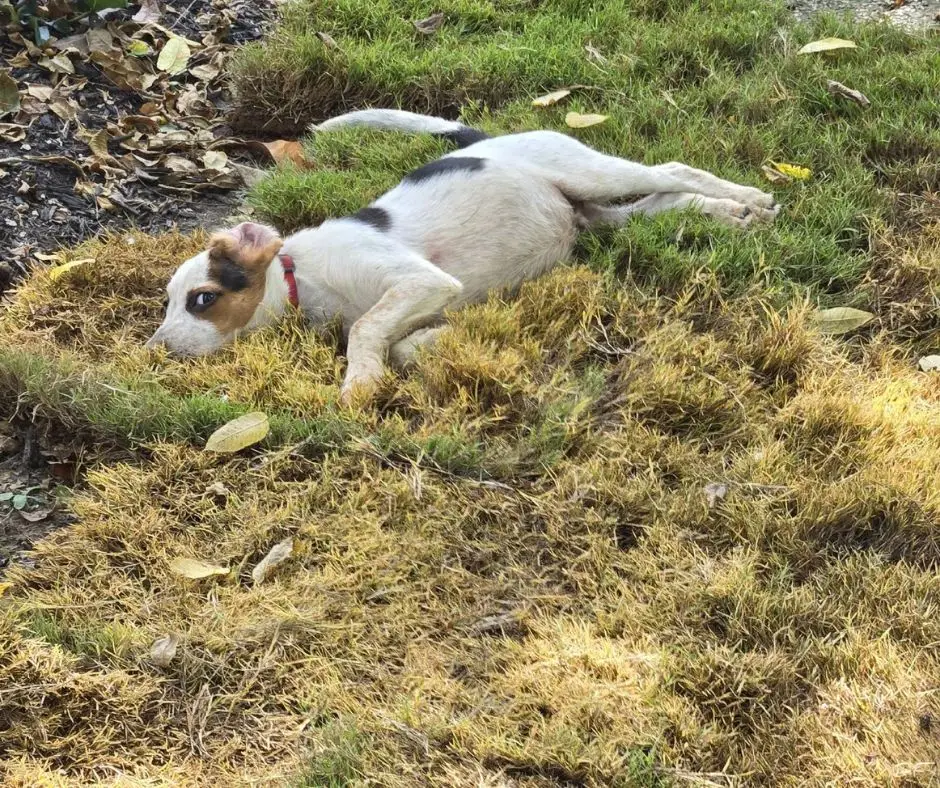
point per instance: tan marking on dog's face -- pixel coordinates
(216, 294)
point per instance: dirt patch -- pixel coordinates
(911, 15)
(105, 140)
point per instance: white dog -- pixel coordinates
(500, 211)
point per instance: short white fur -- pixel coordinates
(452, 239)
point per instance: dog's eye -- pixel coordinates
(199, 302)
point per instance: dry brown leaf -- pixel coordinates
(283, 150)
(37, 515)
(775, 176)
(149, 12)
(328, 41)
(196, 570)
(41, 92)
(9, 94)
(239, 433)
(218, 489)
(12, 132)
(551, 98)
(98, 142)
(714, 492)
(251, 176)
(838, 89)
(163, 650)
(276, 555)
(576, 120)
(99, 40)
(215, 159)
(430, 25)
(206, 72)
(60, 64)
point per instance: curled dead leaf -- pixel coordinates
(430, 25)
(714, 492)
(838, 89)
(280, 151)
(551, 98)
(196, 570)
(149, 12)
(12, 132)
(163, 650)
(215, 159)
(276, 555)
(328, 41)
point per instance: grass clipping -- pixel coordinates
(510, 566)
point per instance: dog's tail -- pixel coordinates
(399, 120)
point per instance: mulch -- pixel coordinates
(105, 140)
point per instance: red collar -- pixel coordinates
(287, 263)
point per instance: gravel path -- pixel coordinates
(912, 15)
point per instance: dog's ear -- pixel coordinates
(252, 246)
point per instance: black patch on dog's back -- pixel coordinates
(464, 136)
(374, 216)
(444, 166)
(229, 274)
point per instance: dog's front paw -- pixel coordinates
(359, 387)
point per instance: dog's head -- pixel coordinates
(219, 292)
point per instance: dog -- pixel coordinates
(494, 212)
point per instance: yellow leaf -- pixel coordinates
(138, 48)
(174, 56)
(237, 434)
(841, 319)
(774, 176)
(792, 170)
(826, 45)
(4, 587)
(550, 98)
(578, 121)
(59, 270)
(196, 570)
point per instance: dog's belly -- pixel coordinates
(491, 229)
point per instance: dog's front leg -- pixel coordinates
(411, 301)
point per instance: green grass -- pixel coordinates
(506, 570)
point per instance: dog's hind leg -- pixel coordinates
(583, 173)
(728, 212)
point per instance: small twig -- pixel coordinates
(838, 89)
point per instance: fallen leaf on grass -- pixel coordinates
(790, 171)
(838, 89)
(576, 120)
(59, 270)
(714, 492)
(149, 12)
(550, 98)
(826, 45)
(430, 25)
(276, 555)
(218, 489)
(328, 41)
(174, 56)
(841, 319)
(163, 650)
(196, 570)
(929, 363)
(239, 433)
(9, 94)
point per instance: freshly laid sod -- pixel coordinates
(641, 525)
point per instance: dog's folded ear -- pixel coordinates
(252, 246)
